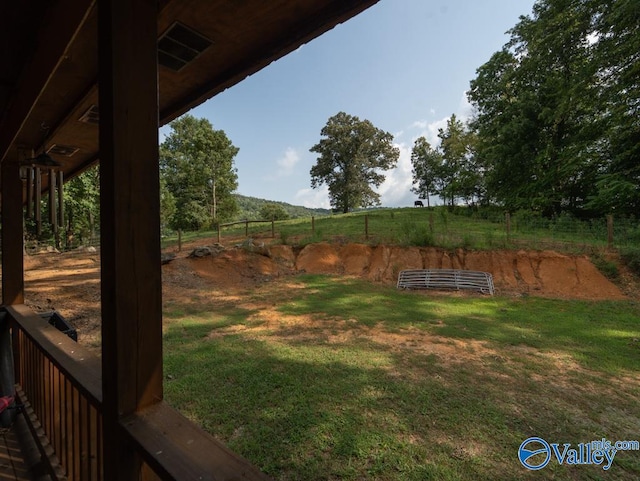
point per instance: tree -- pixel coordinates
(273, 211)
(82, 205)
(352, 155)
(427, 164)
(535, 116)
(459, 173)
(196, 165)
(616, 53)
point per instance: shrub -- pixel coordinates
(416, 234)
(609, 269)
(631, 257)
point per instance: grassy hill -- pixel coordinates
(486, 229)
(250, 208)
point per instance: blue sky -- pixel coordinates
(402, 64)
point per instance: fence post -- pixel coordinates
(273, 229)
(507, 217)
(366, 226)
(219, 233)
(246, 227)
(609, 231)
(313, 225)
(179, 240)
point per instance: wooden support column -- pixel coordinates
(12, 247)
(53, 211)
(38, 201)
(130, 224)
(30, 188)
(12, 271)
(61, 199)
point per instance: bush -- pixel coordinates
(416, 234)
(609, 269)
(631, 257)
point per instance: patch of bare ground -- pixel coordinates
(69, 282)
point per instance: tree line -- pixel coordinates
(555, 125)
(555, 129)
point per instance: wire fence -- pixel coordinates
(424, 227)
(417, 227)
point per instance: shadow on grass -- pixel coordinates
(360, 410)
(603, 336)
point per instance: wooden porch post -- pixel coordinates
(12, 248)
(12, 271)
(130, 223)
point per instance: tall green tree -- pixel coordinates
(426, 167)
(535, 117)
(82, 206)
(197, 167)
(353, 153)
(460, 174)
(616, 51)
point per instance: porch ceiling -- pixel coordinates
(48, 79)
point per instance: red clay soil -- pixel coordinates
(546, 273)
(69, 282)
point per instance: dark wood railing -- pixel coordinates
(60, 382)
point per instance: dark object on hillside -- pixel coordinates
(200, 252)
(418, 203)
(60, 323)
(205, 251)
(166, 257)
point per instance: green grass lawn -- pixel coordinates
(323, 378)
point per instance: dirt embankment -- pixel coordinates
(70, 282)
(539, 273)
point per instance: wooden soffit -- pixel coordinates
(48, 83)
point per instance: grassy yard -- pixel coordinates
(321, 378)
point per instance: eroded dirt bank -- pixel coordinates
(538, 273)
(541, 273)
(69, 282)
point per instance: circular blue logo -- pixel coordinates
(531, 448)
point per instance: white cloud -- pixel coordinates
(419, 124)
(286, 164)
(465, 109)
(313, 198)
(395, 190)
(432, 111)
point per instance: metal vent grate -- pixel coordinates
(65, 150)
(91, 116)
(180, 45)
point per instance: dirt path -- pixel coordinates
(69, 282)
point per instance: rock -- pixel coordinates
(166, 257)
(201, 252)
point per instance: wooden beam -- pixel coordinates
(63, 22)
(177, 449)
(130, 224)
(12, 240)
